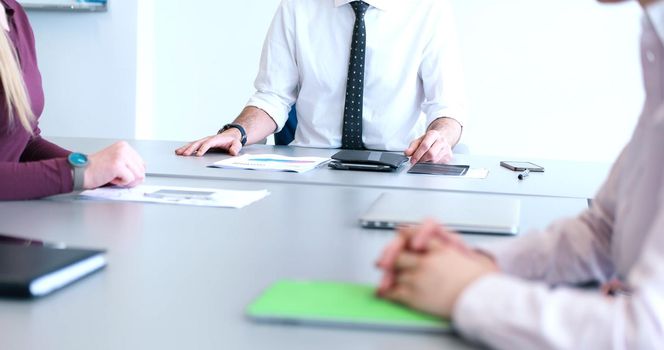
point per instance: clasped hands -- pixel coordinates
(428, 267)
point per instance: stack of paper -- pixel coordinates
(206, 197)
(271, 162)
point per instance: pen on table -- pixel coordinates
(524, 174)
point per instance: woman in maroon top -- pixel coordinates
(31, 167)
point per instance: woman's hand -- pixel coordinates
(118, 164)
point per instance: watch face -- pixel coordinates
(78, 159)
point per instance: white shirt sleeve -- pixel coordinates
(441, 70)
(278, 77)
(522, 314)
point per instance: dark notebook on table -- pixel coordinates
(36, 270)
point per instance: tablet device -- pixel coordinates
(359, 158)
(439, 169)
(337, 165)
(334, 304)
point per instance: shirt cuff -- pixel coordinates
(475, 312)
(451, 113)
(273, 106)
(511, 255)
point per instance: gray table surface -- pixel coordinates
(180, 277)
(562, 178)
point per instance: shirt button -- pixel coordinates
(650, 56)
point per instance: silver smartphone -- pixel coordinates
(521, 166)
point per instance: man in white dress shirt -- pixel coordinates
(521, 295)
(373, 74)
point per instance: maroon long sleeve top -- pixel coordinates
(30, 167)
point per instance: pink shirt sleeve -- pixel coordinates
(570, 251)
(523, 314)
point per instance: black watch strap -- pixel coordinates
(243, 132)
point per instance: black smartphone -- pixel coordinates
(337, 165)
(521, 166)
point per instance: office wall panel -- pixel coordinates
(88, 64)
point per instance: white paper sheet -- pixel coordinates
(477, 173)
(206, 197)
(271, 162)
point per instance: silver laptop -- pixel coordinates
(462, 212)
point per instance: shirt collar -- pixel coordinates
(655, 12)
(382, 5)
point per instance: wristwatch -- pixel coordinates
(243, 140)
(78, 162)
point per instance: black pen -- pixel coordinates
(524, 174)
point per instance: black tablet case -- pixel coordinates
(20, 265)
(371, 157)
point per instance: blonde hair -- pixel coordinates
(11, 77)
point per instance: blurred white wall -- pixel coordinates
(550, 79)
(206, 56)
(88, 65)
(545, 78)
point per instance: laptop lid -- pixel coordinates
(462, 212)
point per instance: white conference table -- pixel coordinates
(180, 277)
(561, 178)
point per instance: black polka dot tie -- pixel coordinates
(352, 128)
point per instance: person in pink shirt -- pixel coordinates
(522, 295)
(31, 167)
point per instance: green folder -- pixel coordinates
(338, 304)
